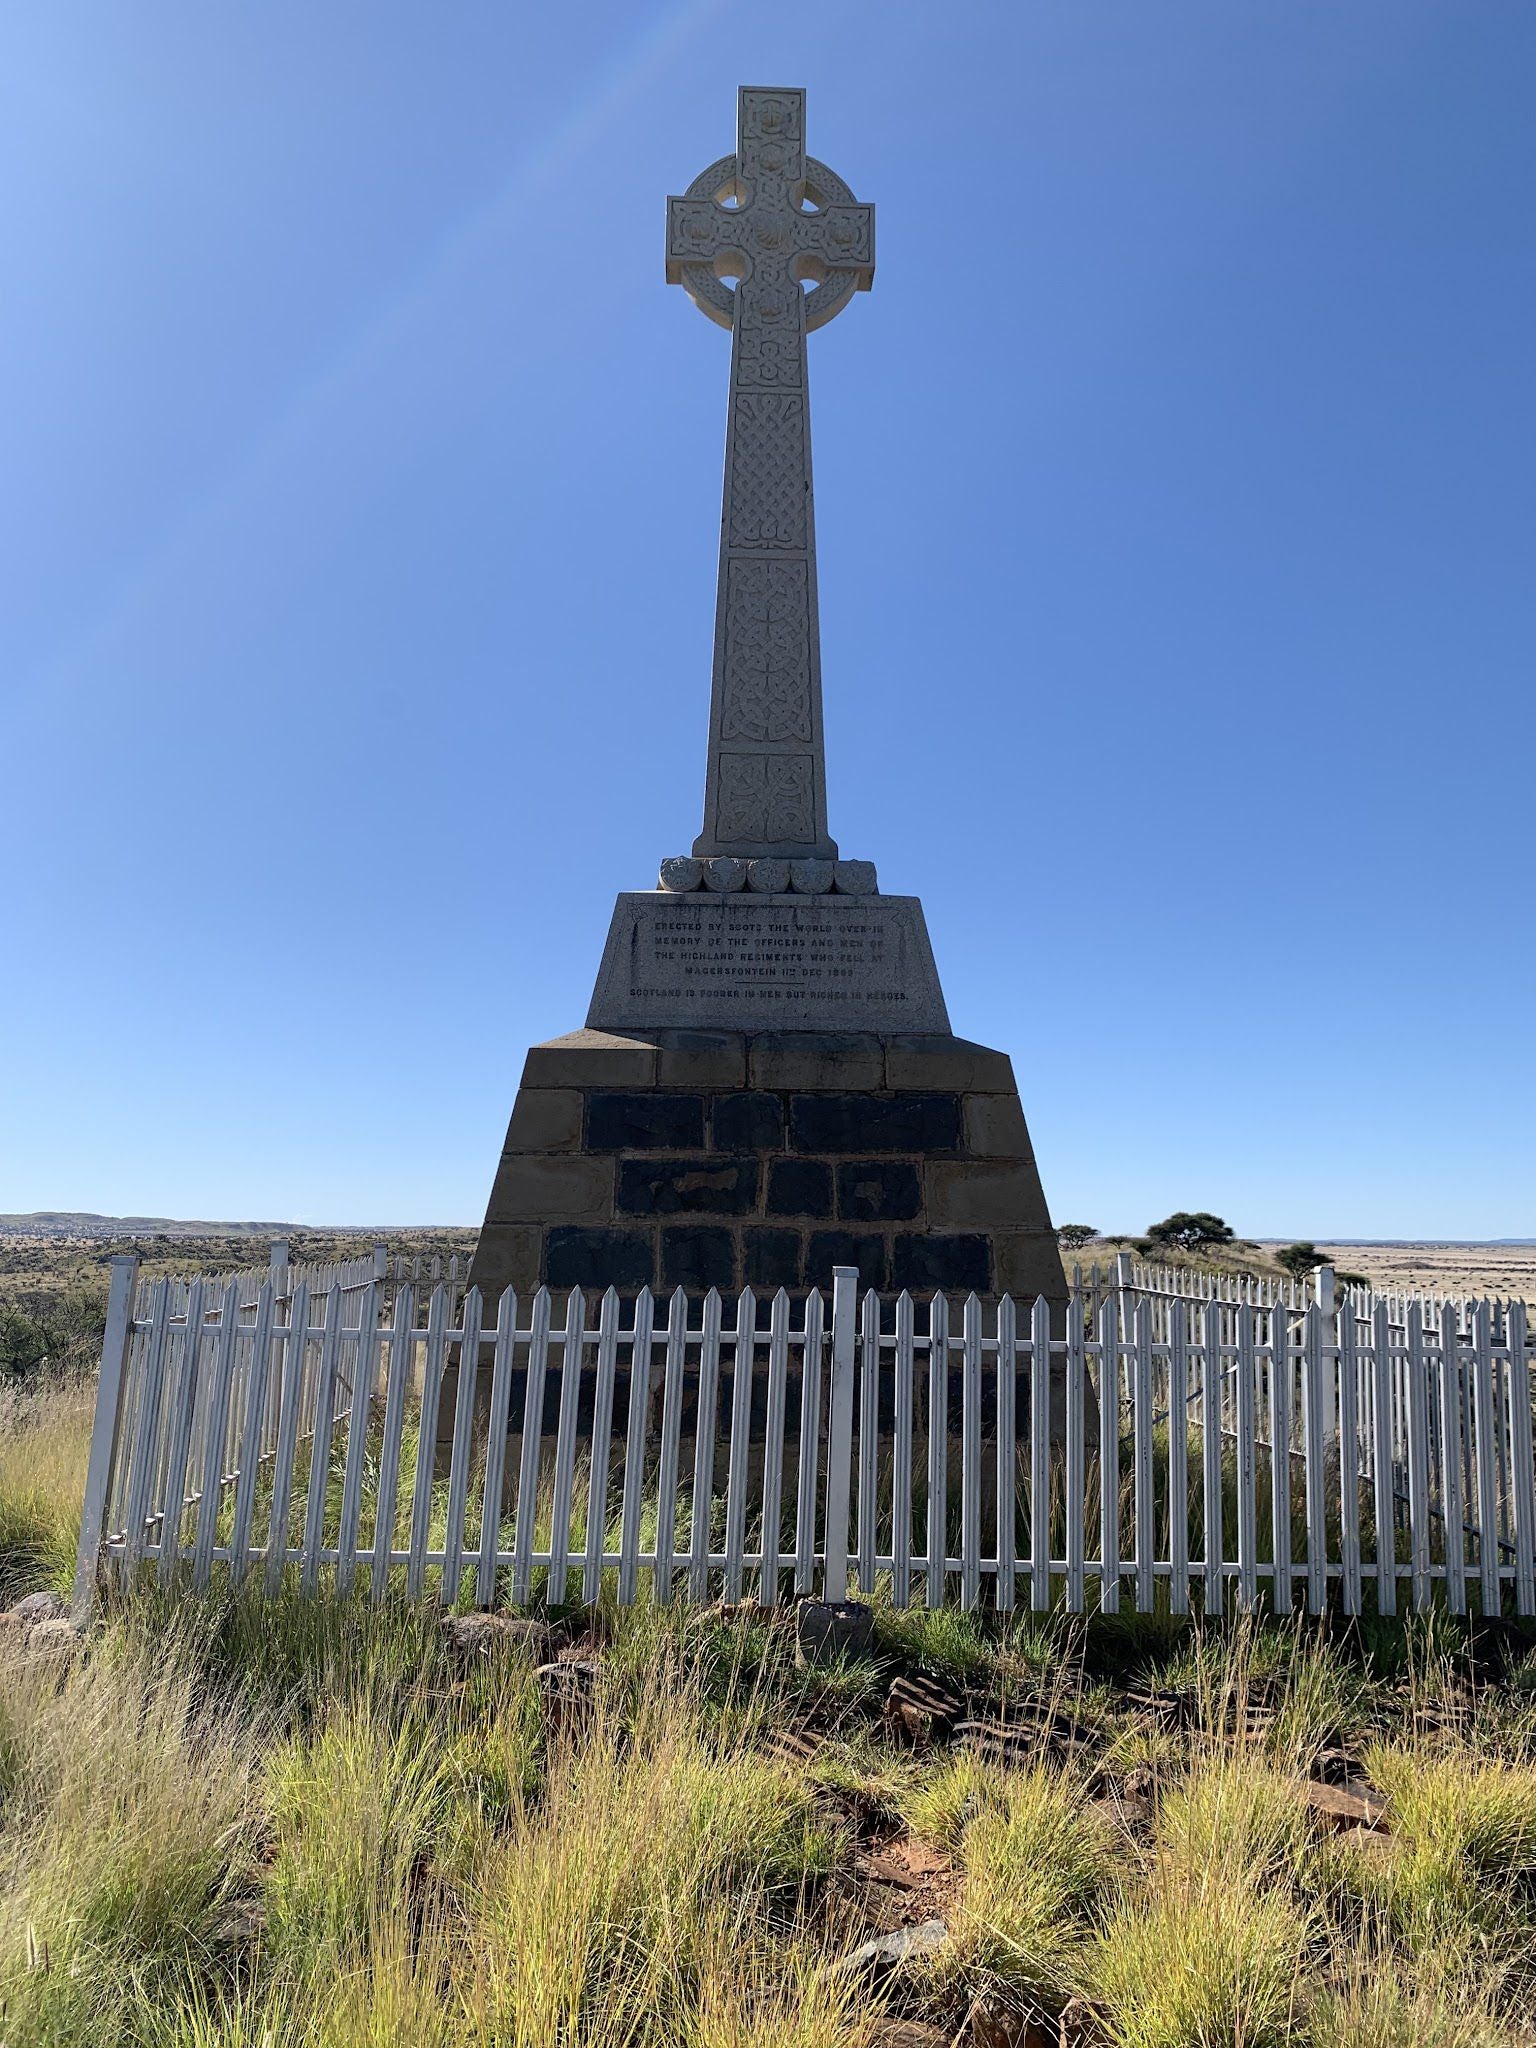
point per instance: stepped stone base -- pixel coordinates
(701, 1159)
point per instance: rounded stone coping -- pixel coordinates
(724, 875)
(751, 896)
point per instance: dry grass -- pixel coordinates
(236, 1824)
(45, 1437)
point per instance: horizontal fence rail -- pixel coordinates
(1132, 1447)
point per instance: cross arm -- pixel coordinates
(842, 237)
(697, 231)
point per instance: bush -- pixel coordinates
(62, 1338)
(1188, 1229)
(1300, 1259)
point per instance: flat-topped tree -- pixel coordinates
(773, 220)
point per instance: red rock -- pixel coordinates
(1355, 1805)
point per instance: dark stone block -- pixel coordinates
(878, 1191)
(772, 1258)
(829, 1248)
(873, 1123)
(826, 1632)
(645, 1123)
(687, 1187)
(698, 1255)
(581, 1257)
(961, 1261)
(748, 1123)
(799, 1187)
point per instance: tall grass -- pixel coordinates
(234, 1822)
(44, 1440)
(1208, 1946)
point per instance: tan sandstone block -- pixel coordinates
(591, 1059)
(995, 1127)
(545, 1120)
(508, 1257)
(701, 1059)
(530, 1189)
(982, 1195)
(931, 1059)
(849, 1060)
(1027, 1263)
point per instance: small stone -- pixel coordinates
(855, 877)
(53, 1635)
(1007, 1744)
(881, 1870)
(568, 1692)
(1126, 1810)
(908, 1861)
(681, 874)
(920, 1709)
(35, 1607)
(825, 1629)
(483, 1635)
(1076, 2022)
(797, 1745)
(244, 1922)
(725, 874)
(568, 1678)
(1335, 1766)
(914, 1722)
(889, 1951)
(768, 877)
(1358, 1805)
(810, 877)
(994, 2025)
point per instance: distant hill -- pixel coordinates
(84, 1223)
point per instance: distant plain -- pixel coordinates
(38, 1265)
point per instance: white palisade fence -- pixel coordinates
(1139, 1446)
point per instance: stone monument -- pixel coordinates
(767, 1085)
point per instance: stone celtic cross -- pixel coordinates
(774, 221)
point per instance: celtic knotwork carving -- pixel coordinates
(769, 243)
(773, 357)
(767, 481)
(767, 694)
(776, 122)
(763, 799)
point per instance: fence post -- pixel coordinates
(277, 1264)
(1327, 1308)
(1125, 1308)
(840, 1402)
(109, 1390)
(381, 1262)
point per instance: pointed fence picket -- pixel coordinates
(1128, 1446)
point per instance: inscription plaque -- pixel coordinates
(764, 963)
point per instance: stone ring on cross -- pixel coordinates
(775, 221)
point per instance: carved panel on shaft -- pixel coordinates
(764, 798)
(767, 688)
(767, 487)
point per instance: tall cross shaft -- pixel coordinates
(773, 219)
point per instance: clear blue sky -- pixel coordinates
(1177, 523)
